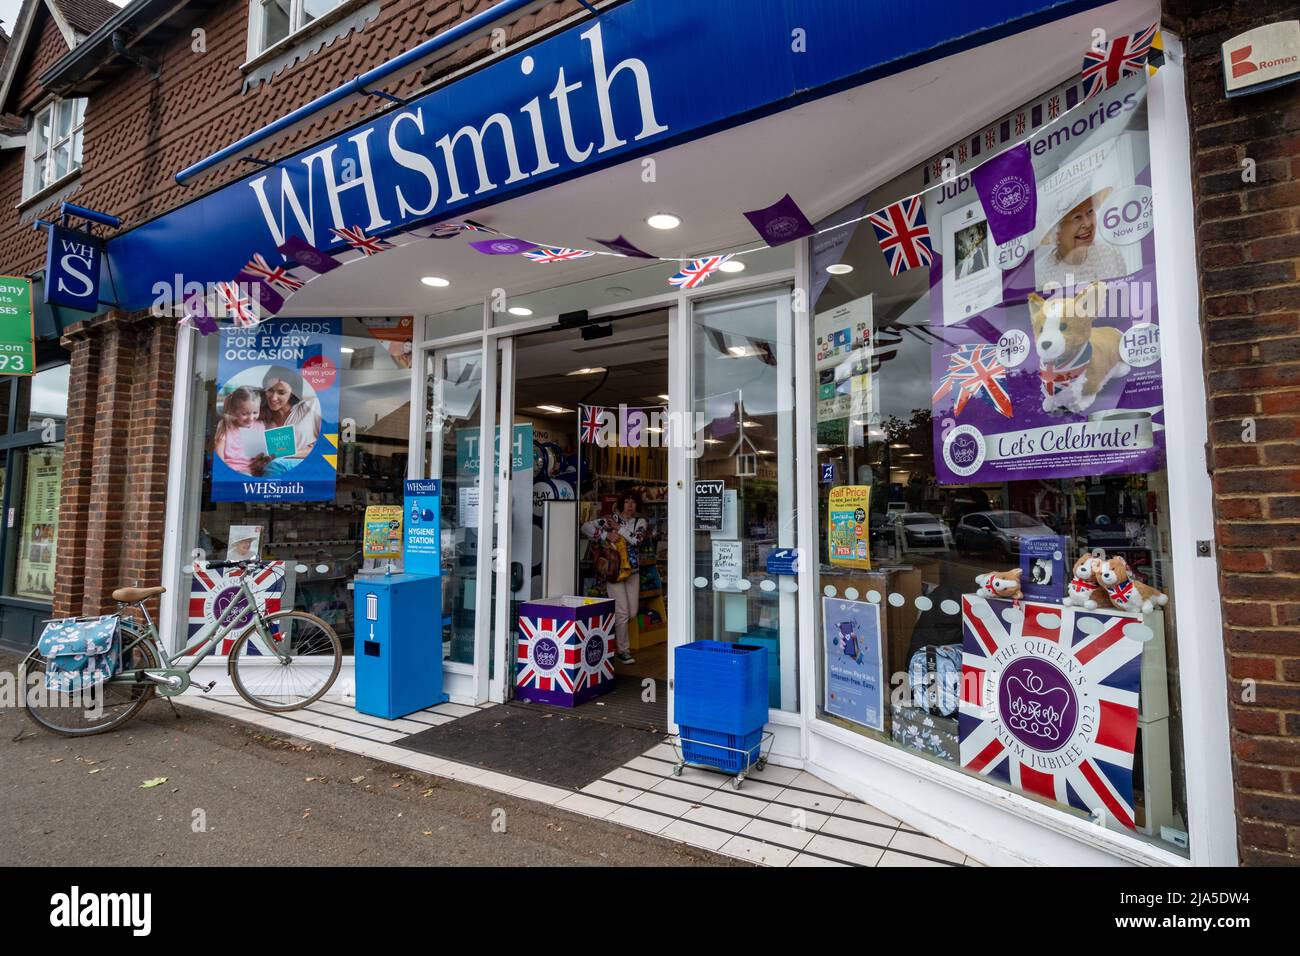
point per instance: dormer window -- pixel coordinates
(53, 145)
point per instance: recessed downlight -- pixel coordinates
(593, 370)
(663, 220)
(839, 269)
(519, 310)
(436, 282)
(553, 409)
(732, 265)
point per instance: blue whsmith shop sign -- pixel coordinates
(638, 78)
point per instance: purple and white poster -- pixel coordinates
(1048, 361)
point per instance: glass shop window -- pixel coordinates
(287, 449)
(995, 576)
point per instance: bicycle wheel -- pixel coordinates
(100, 709)
(314, 655)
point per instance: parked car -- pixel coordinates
(997, 532)
(920, 531)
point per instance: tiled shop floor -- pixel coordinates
(779, 817)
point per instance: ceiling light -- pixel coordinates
(663, 220)
(738, 350)
(732, 265)
(663, 396)
(438, 282)
(654, 430)
(712, 441)
(748, 424)
(346, 351)
(618, 291)
(594, 370)
(765, 451)
(553, 409)
(898, 444)
(839, 269)
(519, 310)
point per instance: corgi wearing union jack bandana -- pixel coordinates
(1000, 584)
(1083, 590)
(1126, 592)
(1075, 360)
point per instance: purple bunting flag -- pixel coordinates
(781, 222)
(505, 246)
(1008, 191)
(624, 248)
(305, 254)
(196, 314)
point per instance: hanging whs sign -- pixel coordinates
(1049, 701)
(847, 509)
(17, 332)
(72, 263)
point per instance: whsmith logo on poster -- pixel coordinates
(471, 160)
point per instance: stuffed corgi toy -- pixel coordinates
(1075, 360)
(1125, 592)
(1083, 590)
(1000, 584)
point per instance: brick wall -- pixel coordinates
(1249, 239)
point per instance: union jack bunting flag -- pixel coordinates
(589, 424)
(903, 235)
(356, 238)
(239, 306)
(275, 276)
(696, 271)
(990, 138)
(548, 254)
(1121, 57)
(1020, 123)
(214, 595)
(975, 370)
(445, 230)
(1023, 722)
(1054, 107)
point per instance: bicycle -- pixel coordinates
(278, 662)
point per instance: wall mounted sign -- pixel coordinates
(72, 261)
(783, 561)
(422, 530)
(17, 333)
(1262, 58)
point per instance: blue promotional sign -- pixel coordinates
(72, 264)
(855, 680)
(422, 529)
(783, 561)
(828, 472)
(601, 92)
(276, 437)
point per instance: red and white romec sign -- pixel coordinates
(1262, 58)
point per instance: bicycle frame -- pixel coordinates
(205, 641)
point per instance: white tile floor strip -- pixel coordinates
(779, 817)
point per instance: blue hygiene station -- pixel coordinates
(398, 643)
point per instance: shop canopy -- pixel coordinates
(738, 101)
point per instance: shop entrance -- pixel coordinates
(593, 402)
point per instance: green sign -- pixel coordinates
(17, 333)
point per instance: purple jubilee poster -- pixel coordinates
(1047, 362)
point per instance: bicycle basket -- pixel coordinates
(80, 652)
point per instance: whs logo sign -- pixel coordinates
(1262, 59)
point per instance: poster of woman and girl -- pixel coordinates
(277, 413)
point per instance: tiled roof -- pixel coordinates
(85, 16)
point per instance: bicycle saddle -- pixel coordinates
(135, 595)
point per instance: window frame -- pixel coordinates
(37, 170)
(257, 43)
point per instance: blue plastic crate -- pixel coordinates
(768, 638)
(696, 749)
(720, 686)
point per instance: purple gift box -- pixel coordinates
(565, 650)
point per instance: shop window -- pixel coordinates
(999, 411)
(48, 402)
(344, 439)
(271, 21)
(53, 145)
(33, 522)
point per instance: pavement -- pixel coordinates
(236, 795)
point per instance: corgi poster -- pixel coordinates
(1048, 360)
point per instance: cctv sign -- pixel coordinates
(1262, 58)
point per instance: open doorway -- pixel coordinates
(590, 481)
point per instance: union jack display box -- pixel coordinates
(565, 650)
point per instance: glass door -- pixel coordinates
(741, 479)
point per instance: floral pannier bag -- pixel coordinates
(80, 652)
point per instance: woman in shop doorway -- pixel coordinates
(627, 528)
(283, 403)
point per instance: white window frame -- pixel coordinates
(37, 170)
(257, 44)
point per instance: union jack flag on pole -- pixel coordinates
(1117, 59)
(903, 235)
(549, 254)
(1022, 721)
(589, 424)
(975, 370)
(696, 271)
(356, 238)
